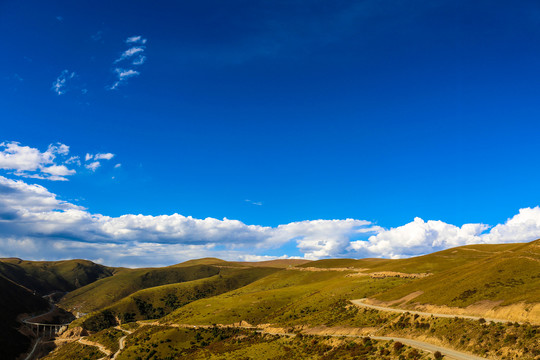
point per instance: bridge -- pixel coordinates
(45, 329)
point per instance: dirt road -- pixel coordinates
(360, 302)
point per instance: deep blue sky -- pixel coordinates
(376, 110)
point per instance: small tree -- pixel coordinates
(438, 355)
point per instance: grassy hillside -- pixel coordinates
(45, 277)
(285, 297)
(161, 343)
(107, 291)
(430, 263)
(511, 276)
(15, 300)
(156, 302)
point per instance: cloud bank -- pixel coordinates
(35, 224)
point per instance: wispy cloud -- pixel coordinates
(258, 203)
(133, 56)
(129, 53)
(59, 86)
(135, 40)
(97, 36)
(94, 165)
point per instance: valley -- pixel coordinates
(471, 302)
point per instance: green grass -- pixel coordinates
(285, 297)
(75, 351)
(497, 340)
(108, 338)
(162, 343)
(105, 292)
(155, 302)
(511, 276)
(431, 263)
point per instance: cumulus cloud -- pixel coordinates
(36, 224)
(31, 162)
(60, 84)
(32, 214)
(53, 164)
(419, 237)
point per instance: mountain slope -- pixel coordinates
(45, 277)
(509, 276)
(107, 291)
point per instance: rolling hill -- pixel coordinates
(45, 277)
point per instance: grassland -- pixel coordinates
(313, 299)
(162, 343)
(107, 291)
(75, 351)
(507, 277)
(286, 297)
(156, 302)
(490, 340)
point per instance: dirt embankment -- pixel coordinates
(520, 312)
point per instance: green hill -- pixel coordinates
(107, 291)
(511, 275)
(45, 277)
(430, 263)
(156, 302)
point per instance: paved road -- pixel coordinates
(360, 302)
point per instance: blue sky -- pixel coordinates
(276, 113)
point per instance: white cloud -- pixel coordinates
(93, 165)
(74, 160)
(105, 156)
(258, 203)
(135, 53)
(129, 53)
(123, 75)
(117, 166)
(52, 164)
(59, 86)
(135, 39)
(35, 224)
(139, 61)
(419, 237)
(31, 162)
